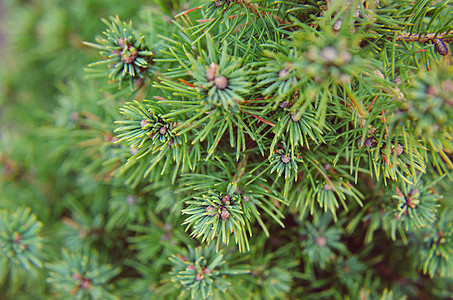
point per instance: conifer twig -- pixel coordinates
(255, 9)
(424, 38)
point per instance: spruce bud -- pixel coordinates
(283, 72)
(226, 199)
(413, 199)
(295, 117)
(327, 187)
(130, 199)
(336, 26)
(144, 122)
(285, 158)
(285, 104)
(211, 72)
(329, 54)
(211, 210)
(221, 82)
(225, 214)
(399, 149)
(122, 42)
(440, 47)
(321, 241)
(163, 130)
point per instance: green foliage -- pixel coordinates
(320, 241)
(202, 273)
(217, 216)
(316, 135)
(81, 276)
(20, 242)
(125, 53)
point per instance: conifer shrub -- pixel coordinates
(227, 149)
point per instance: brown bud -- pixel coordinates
(163, 130)
(211, 72)
(191, 268)
(129, 56)
(321, 241)
(370, 142)
(336, 26)
(296, 117)
(199, 277)
(221, 82)
(285, 104)
(397, 80)
(399, 149)
(413, 203)
(440, 46)
(329, 54)
(211, 210)
(283, 72)
(225, 214)
(432, 90)
(226, 199)
(133, 151)
(130, 199)
(122, 42)
(144, 122)
(358, 13)
(86, 284)
(285, 158)
(327, 187)
(413, 199)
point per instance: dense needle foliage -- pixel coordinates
(227, 149)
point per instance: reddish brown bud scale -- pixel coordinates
(296, 117)
(122, 42)
(283, 72)
(225, 214)
(211, 72)
(211, 210)
(191, 267)
(321, 241)
(221, 82)
(399, 149)
(327, 187)
(337, 25)
(285, 158)
(144, 122)
(163, 130)
(285, 104)
(440, 47)
(226, 199)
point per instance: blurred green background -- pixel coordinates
(42, 61)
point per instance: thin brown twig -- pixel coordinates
(424, 38)
(241, 167)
